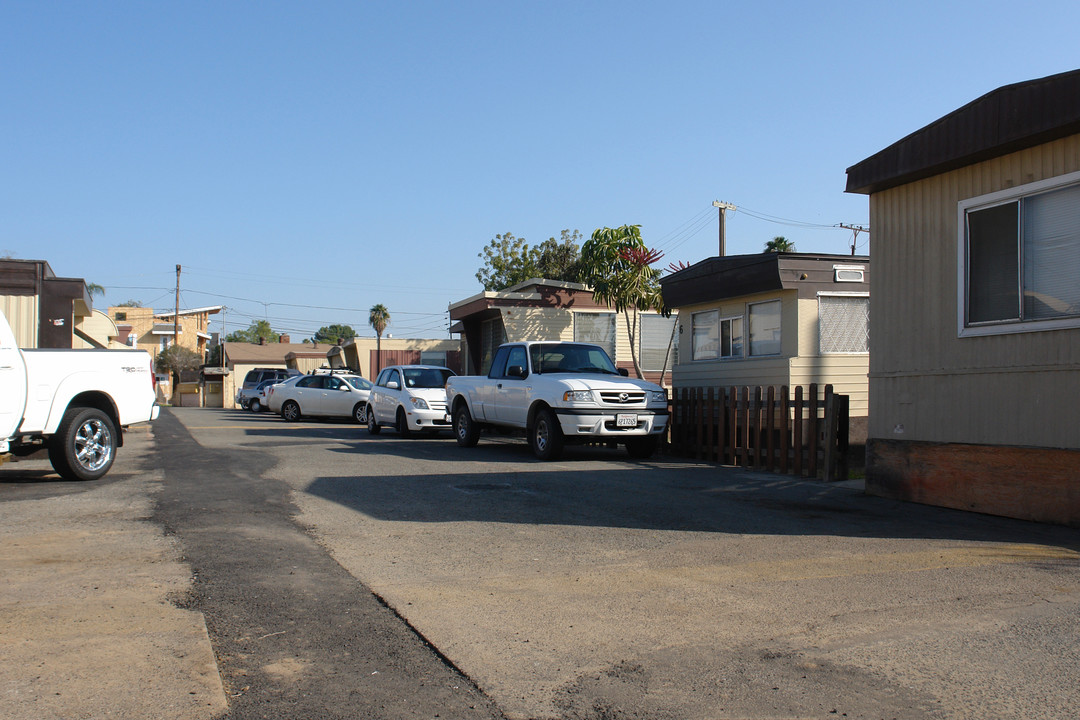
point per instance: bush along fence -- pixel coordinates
(763, 428)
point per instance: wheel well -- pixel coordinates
(102, 402)
(535, 408)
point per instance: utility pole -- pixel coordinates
(176, 317)
(723, 235)
(855, 229)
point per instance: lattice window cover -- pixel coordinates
(844, 324)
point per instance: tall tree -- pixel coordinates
(559, 259)
(95, 290)
(260, 329)
(378, 318)
(509, 260)
(331, 333)
(779, 244)
(617, 264)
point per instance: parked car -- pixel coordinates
(409, 397)
(258, 400)
(251, 382)
(559, 392)
(323, 395)
(274, 398)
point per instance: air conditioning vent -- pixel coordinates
(848, 273)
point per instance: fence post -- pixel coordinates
(843, 431)
(829, 471)
(710, 442)
(785, 428)
(744, 423)
(733, 424)
(812, 445)
(798, 442)
(770, 426)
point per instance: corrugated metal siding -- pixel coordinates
(928, 384)
(21, 312)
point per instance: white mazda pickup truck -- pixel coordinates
(74, 402)
(558, 392)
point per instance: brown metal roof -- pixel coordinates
(1005, 120)
(731, 276)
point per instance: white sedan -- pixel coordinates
(322, 395)
(409, 397)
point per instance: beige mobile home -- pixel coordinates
(975, 363)
(775, 319)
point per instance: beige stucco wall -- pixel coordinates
(928, 384)
(100, 327)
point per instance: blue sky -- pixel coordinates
(304, 161)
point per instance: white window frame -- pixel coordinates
(720, 320)
(840, 294)
(748, 344)
(983, 202)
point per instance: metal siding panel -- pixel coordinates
(1002, 389)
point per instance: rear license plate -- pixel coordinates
(625, 420)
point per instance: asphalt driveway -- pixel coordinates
(597, 587)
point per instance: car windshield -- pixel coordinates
(571, 358)
(357, 382)
(426, 377)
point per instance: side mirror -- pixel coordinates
(515, 371)
(624, 372)
(393, 385)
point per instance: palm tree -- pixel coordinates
(779, 244)
(378, 318)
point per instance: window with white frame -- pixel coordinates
(843, 324)
(656, 338)
(716, 337)
(596, 328)
(1020, 258)
(765, 328)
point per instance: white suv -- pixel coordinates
(409, 397)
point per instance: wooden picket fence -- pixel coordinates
(763, 428)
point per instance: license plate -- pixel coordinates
(624, 420)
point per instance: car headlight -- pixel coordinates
(658, 396)
(577, 396)
(419, 403)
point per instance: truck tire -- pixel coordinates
(466, 431)
(84, 445)
(545, 435)
(642, 448)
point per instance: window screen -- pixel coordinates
(844, 324)
(657, 342)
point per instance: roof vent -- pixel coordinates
(849, 273)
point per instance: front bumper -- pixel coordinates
(606, 422)
(438, 419)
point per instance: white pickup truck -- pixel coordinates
(558, 392)
(74, 402)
